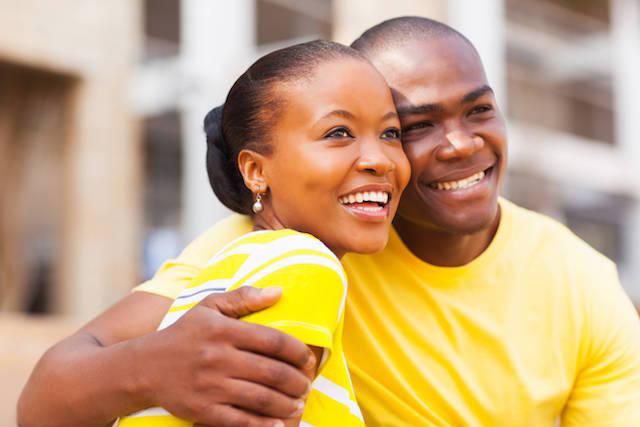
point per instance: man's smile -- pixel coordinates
(467, 182)
(470, 185)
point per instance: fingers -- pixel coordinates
(272, 343)
(261, 400)
(243, 301)
(228, 416)
(277, 375)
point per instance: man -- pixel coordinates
(478, 312)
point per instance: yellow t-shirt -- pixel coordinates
(314, 290)
(536, 328)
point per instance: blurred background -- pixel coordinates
(102, 153)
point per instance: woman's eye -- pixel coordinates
(417, 126)
(339, 133)
(391, 133)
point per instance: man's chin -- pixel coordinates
(466, 223)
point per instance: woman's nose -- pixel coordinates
(373, 159)
(459, 144)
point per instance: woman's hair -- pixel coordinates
(246, 119)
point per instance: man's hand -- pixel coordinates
(220, 371)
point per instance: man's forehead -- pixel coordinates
(428, 61)
(430, 70)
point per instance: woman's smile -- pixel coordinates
(368, 203)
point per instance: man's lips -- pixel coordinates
(460, 173)
(462, 184)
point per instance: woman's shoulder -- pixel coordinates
(271, 251)
(281, 241)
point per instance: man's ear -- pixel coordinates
(252, 168)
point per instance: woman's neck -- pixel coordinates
(267, 220)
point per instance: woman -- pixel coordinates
(307, 140)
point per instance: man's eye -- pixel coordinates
(417, 126)
(338, 133)
(391, 133)
(481, 109)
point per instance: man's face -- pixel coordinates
(453, 134)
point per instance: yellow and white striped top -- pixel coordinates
(311, 309)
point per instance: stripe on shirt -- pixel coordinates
(210, 290)
(151, 412)
(340, 394)
(259, 254)
(314, 257)
(277, 248)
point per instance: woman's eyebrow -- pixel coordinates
(390, 115)
(340, 113)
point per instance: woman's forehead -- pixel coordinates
(337, 85)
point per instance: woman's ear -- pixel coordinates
(252, 168)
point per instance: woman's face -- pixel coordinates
(337, 167)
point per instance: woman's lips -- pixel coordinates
(368, 211)
(369, 205)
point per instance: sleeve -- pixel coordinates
(174, 275)
(313, 296)
(606, 392)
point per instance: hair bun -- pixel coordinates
(213, 129)
(223, 173)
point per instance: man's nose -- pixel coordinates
(459, 144)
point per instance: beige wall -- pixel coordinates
(96, 43)
(23, 339)
(352, 17)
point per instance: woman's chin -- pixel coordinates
(369, 246)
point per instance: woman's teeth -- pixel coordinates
(367, 196)
(460, 184)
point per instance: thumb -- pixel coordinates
(243, 301)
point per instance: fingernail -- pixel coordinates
(278, 424)
(310, 363)
(299, 409)
(271, 292)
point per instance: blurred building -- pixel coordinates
(564, 70)
(101, 104)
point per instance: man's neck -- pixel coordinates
(444, 249)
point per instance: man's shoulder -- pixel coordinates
(541, 236)
(217, 237)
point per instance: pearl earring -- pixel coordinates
(257, 205)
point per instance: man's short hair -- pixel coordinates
(392, 32)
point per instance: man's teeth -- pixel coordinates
(367, 196)
(460, 184)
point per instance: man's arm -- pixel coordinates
(118, 364)
(606, 392)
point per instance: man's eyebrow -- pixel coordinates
(476, 93)
(410, 110)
